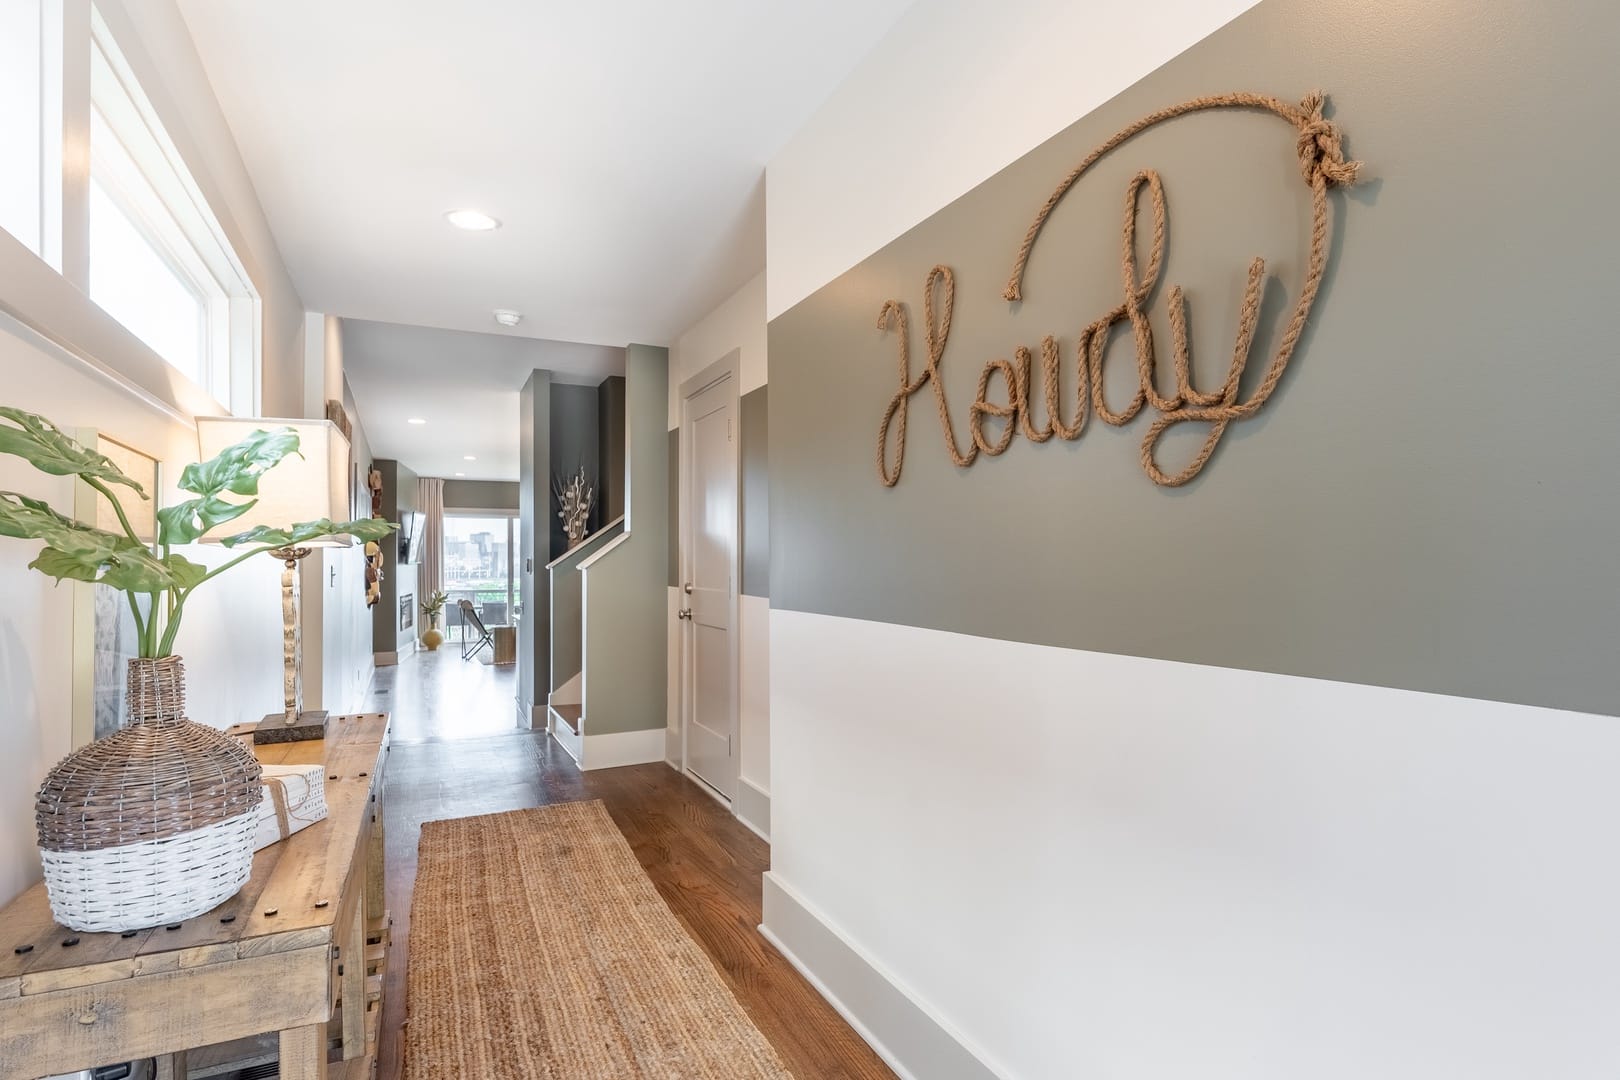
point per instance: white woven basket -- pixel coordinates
(154, 882)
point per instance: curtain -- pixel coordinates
(430, 560)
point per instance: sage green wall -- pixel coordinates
(673, 524)
(1427, 502)
(626, 617)
(481, 495)
(755, 538)
(398, 497)
(567, 606)
(610, 430)
(534, 498)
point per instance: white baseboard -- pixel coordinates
(573, 745)
(906, 1034)
(753, 807)
(620, 748)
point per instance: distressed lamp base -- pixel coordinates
(292, 723)
(274, 728)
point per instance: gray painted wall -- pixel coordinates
(575, 441)
(626, 613)
(610, 434)
(534, 487)
(398, 497)
(481, 495)
(567, 606)
(756, 518)
(1427, 501)
(672, 477)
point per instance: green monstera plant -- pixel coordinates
(77, 552)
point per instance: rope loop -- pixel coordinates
(1319, 146)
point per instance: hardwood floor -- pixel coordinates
(704, 862)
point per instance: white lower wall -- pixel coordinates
(672, 693)
(1105, 866)
(754, 690)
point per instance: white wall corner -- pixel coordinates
(610, 751)
(911, 1039)
(753, 807)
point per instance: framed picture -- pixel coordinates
(104, 637)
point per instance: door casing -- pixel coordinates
(725, 369)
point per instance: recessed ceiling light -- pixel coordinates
(507, 317)
(416, 420)
(472, 220)
(461, 474)
(469, 457)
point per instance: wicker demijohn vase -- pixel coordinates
(152, 824)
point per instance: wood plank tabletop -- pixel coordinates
(289, 903)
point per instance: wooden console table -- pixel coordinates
(300, 950)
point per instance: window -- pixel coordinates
(159, 262)
(478, 567)
(29, 70)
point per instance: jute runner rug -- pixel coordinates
(540, 949)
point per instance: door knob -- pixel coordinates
(687, 588)
(684, 613)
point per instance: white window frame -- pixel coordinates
(147, 179)
(513, 585)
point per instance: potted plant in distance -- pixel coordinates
(154, 823)
(432, 637)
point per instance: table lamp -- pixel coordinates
(306, 486)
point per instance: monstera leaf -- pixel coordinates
(187, 521)
(33, 519)
(237, 469)
(305, 531)
(75, 552)
(42, 444)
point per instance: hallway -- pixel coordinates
(457, 752)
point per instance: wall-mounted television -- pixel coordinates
(410, 535)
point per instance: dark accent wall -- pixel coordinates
(756, 519)
(534, 498)
(1428, 499)
(398, 498)
(575, 442)
(610, 437)
(481, 495)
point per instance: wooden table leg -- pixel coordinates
(303, 1052)
(172, 1066)
(354, 983)
(374, 857)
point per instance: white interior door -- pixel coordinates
(709, 597)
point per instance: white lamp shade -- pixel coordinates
(299, 488)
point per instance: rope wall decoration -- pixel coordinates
(1318, 145)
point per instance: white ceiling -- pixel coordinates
(464, 385)
(622, 144)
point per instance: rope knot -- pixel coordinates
(1320, 146)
